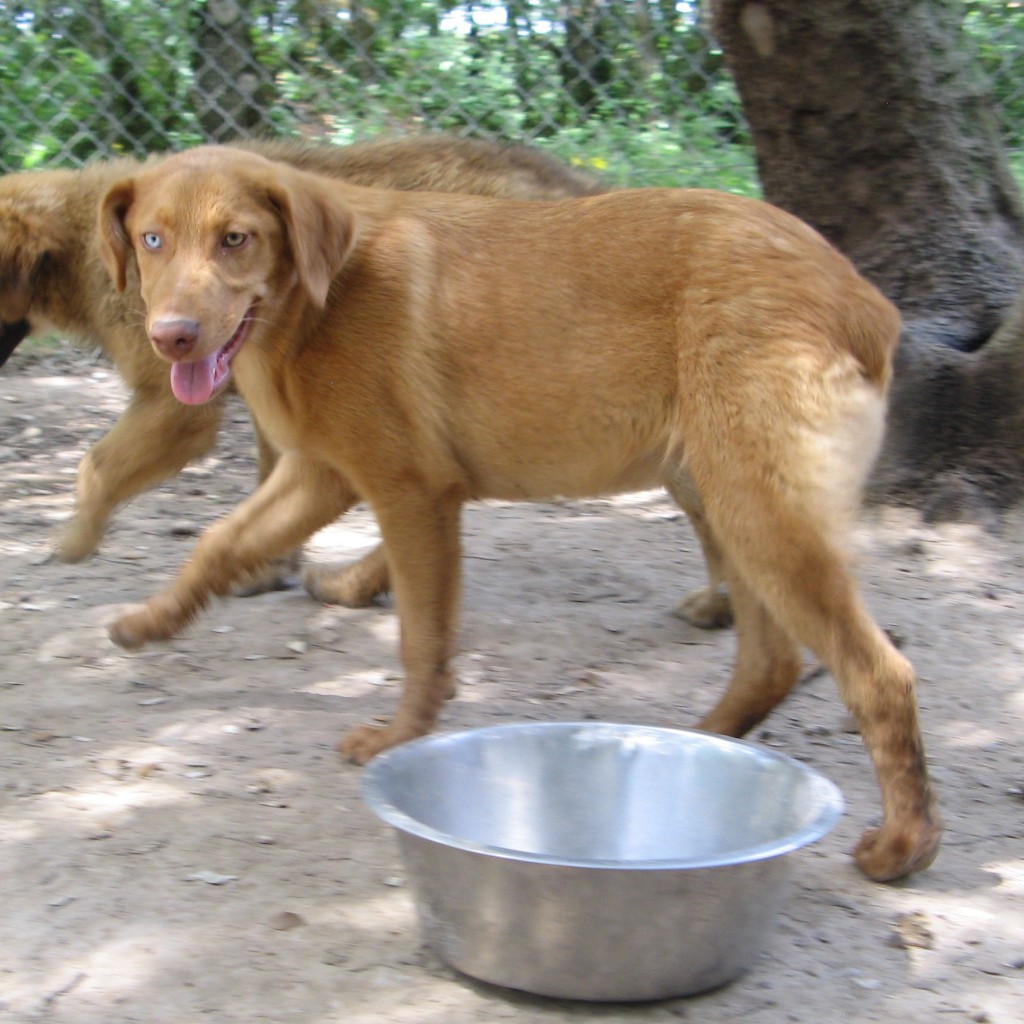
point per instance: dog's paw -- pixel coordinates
(364, 742)
(130, 631)
(345, 585)
(147, 623)
(890, 853)
(77, 542)
(278, 575)
(705, 609)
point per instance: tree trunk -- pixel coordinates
(872, 122)
(231, 92)
(584, 64)
(129, 128)
(361, 32)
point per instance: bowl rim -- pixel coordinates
(829, 795)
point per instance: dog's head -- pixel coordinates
(30, 222)
(226, 243)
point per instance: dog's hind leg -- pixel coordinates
(300, 497)
(354, 585)
(808, 592)
(708, 607)
(767, 665)
(776, 522)
(154, 438)
(276, 574)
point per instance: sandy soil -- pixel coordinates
(179, 841)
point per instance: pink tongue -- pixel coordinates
(195, 383)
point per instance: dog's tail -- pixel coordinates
(872, 333)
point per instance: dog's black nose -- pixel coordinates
(11, 336)
(174, 338)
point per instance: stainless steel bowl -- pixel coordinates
(597, 861)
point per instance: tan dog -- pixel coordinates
(51, 279)
(426, 350)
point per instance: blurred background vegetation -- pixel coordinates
(635, 89)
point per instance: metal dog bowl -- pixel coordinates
(597, 861)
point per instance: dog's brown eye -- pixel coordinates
(152, 241)
(233, 239)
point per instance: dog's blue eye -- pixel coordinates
(151, 240)
(233, 239)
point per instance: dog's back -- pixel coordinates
(642, 355)
(643, 261)
(438, 163)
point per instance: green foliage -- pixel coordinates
(1017, 166)
(635, 90)
(997, 28)
(116, 76)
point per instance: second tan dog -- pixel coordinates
(51, 279)
(423, 351)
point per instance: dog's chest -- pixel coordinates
(280, 417)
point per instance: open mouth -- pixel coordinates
(197, 382)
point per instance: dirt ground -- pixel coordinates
(180, 842)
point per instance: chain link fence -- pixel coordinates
(636, 89)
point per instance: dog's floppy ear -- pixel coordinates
(321, 229)
(115, 246)
(31, 239)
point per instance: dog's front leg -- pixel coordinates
(421, 537)
(121, 465)
(295, 501)
(709, 607)
(274, 575)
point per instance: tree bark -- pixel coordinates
(231, 92)
(585, 64)
(872, 122)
